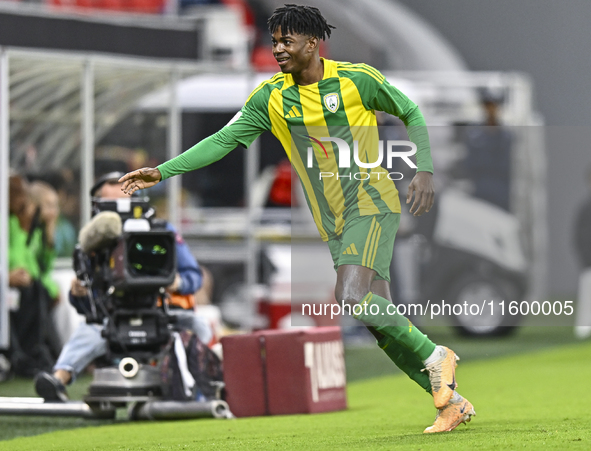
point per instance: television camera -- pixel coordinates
(126, 258)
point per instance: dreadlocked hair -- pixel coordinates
(300, 19)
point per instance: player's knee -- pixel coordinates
(350, 294)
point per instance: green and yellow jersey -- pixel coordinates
(310, 121)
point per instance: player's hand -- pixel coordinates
(141, 179)
(422, 187)
(19, 278)
(77, 289)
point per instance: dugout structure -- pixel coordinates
(55, 107)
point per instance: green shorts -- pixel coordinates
(367, 241)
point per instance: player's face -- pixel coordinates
(293, 52)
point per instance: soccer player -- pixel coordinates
(356, 209)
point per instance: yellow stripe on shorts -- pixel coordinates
(375, 250)
(373, 222)
(373, 246)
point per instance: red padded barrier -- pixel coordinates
(280, 372)
(243, 375)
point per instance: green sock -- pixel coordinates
(382, 314)
(407, 361)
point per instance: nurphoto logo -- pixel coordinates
(344, 152)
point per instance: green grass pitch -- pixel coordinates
(540, 400)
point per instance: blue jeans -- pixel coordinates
(86, 343)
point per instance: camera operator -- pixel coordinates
(86, 343)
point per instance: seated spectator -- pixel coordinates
(65, 235)
(30, 261)
(44, 224)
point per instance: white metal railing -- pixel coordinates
(4, 165)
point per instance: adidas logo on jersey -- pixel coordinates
(294, 112)
(351, 250)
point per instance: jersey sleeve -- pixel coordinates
(242, 130)
(252, 119)
(382, 96)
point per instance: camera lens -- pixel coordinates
(149, 256)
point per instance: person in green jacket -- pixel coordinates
(31, 245)
(30, 263)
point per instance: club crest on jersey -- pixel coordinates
(331, 101)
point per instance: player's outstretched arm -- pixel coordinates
(243, 129)
(140, 179)
(424, 192)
